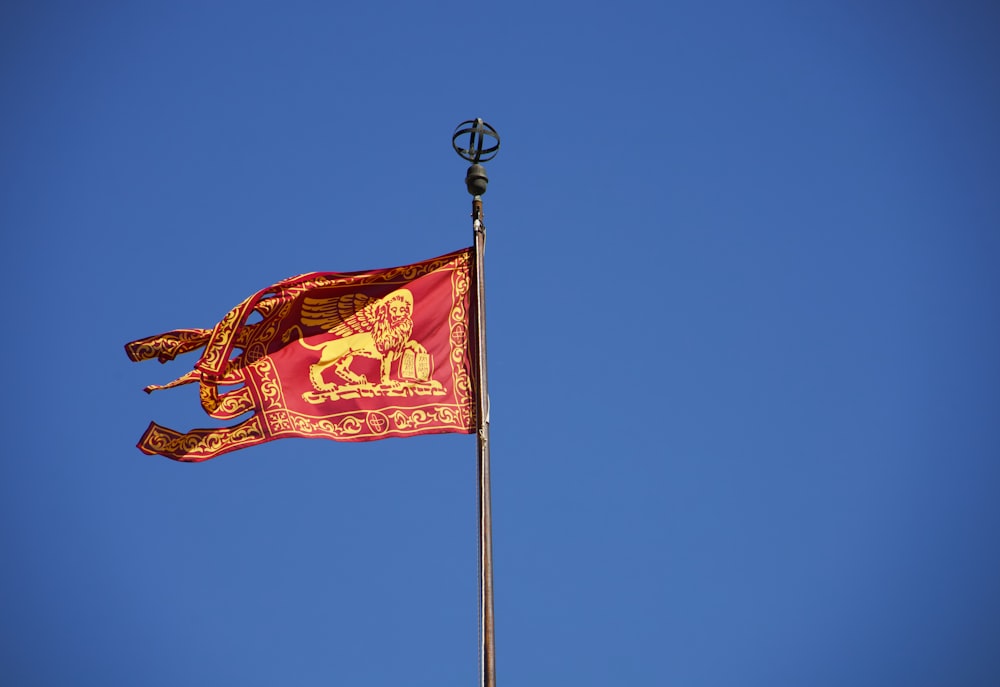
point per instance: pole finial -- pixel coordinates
(478, 131)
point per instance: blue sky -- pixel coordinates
(743, 332)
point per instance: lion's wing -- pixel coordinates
(349, 314)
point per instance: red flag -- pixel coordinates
(354, 356)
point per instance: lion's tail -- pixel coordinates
(287, 336)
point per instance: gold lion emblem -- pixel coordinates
(375, 328)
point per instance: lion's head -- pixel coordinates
(394, 324)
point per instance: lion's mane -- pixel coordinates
(388, 338)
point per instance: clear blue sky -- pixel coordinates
(744, 341)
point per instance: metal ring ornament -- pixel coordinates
(478, 130)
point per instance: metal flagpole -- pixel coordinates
(475, 181)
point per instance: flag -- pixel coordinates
(353, 356)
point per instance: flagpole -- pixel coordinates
(475, 181)
(487, 656)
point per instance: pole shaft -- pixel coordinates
(486, 653)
